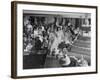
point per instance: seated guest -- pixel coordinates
(45, 43)
(29, 28)
(82, 62)
(38, 43)
(28, 47)
(59, 54)
(38, 33)
(65, 60)
(35, 32)
(74, 61)
(40, 30)
(26, 20)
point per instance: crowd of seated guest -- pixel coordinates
(39, 35)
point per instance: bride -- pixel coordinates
(58, 38)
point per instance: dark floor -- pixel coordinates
(34, 61)
(51, 62)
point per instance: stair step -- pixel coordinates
(80, 50)
(84, 38)
(82, 44)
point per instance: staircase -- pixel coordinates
(81, 47)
